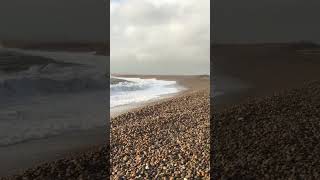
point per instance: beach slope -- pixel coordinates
(166, 139)
(272, 137)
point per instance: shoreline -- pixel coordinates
(19, 157)
(185, 83)
(102, 173)
(56, 135)
(119, 110)
(178, 127)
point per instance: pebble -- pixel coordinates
(280, 138)
(176, 129)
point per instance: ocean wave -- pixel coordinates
(48, 99)
(134, 90)
(51, 79)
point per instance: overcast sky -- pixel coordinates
(232, 21)
(160, 37)
(54, 20)
(265, 20)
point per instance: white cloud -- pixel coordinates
(160, 37)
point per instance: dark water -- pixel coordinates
(115, 80)
(47, 99)
(11, 62)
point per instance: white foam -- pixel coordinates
(135, 90)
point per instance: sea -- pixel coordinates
(134, 90)
(44, 94)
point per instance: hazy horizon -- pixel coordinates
(155, 74)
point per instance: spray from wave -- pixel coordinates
(134, 90)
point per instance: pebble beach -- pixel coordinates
(169, 140)
(92, 164)
(272, 137)
(269, 130)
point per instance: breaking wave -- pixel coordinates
(52, 99)
(134, 90)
